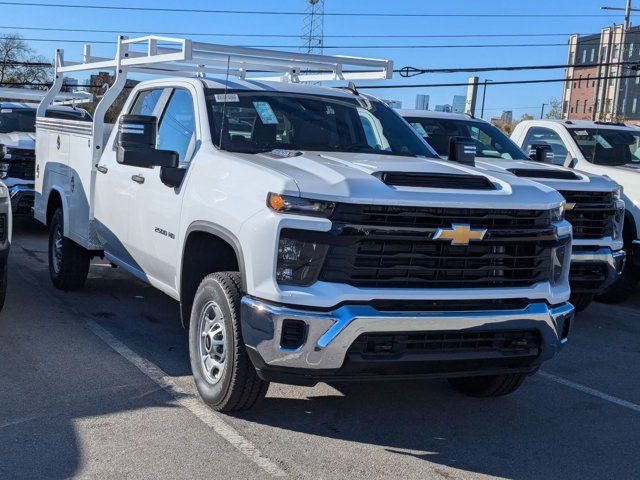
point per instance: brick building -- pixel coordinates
(612, 53)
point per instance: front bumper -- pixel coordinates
(330, 334)
(635, 252)
(22, 199)
(593, 271)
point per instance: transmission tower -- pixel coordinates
(313, 27)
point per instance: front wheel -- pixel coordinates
(581, 301)
(488, 386)
(68, 261)
(224, 375)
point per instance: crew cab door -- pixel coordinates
(115, 189)
(154, 218)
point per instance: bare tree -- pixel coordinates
(19, 64)
(555, 109)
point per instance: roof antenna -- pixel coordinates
(352, 86)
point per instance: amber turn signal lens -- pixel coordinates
(276, 202)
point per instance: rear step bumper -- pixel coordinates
(323, 347)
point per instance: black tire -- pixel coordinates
(489, 386)
(235, 386)
(581, 301)
(68, 262)
(3, 282)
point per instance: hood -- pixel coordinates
(348, 177)
(583, 182)
(25, 140)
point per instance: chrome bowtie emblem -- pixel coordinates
(460, 234)
(569, 206)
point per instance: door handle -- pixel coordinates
(102, 169)
(138, 178)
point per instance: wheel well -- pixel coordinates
(204, 253)
(55, 202)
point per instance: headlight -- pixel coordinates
(299, 261)
(560, 260)
(4, 169)
(557, 214)
(617, 193)
(301, 206)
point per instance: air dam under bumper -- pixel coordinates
(593, 271)
(22, 199)
(323, 353)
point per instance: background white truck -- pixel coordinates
(307, 232)
(17, 140)
(604, 149)
(594, 207)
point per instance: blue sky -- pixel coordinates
(522, 99)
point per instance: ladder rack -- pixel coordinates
(30, 94)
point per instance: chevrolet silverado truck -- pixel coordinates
(17, 148)
(307, 232)
(608, 149)
(6, 222)
(594, 207)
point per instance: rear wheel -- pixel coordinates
(489, 386)
(581, 301)
(68, 261)
(224, 375)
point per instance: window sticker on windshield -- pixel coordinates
(330, 110)
(229, 97)
(602, 141)
(266, 113)
(6, 110)
(582, 133)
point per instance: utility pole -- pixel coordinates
(627, 13)
(542, 111)
(484, 95)
(313, 27)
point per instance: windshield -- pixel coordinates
(608, 146)
(17, 120)
(264, 121)
(489, 140)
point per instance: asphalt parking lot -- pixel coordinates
(96, 384)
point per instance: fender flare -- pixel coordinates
(224, 234)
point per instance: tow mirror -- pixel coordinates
(541, 152)
(462, 150)
(137, 143)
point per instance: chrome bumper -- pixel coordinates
(330, 334)
(613, 263)
(22, 198)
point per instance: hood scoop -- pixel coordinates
(435, 180)
(551, 174)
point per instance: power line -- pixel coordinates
(275, 35)
(409, 72)
(334, 14)
(505, 82)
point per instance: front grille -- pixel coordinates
(450, 305)
(544, 173)
(380, 346)
(436, 180)
(592, 214)
(392, 247)
(3, 227)
(22, 170)
(585, 276)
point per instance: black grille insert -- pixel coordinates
(590, 213)
(435, 180)
(380, 346)
(544, 173)
(294, 333)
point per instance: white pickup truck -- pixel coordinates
(18, 151)
(5, 240)
(593, 207)
(606, 149)
(307, 232)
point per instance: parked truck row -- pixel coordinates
(311, 233)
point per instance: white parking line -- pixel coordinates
(188, 398)
(591, 391)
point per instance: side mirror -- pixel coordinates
(541, 152)
(462, 150)
(137, 143)
(172, 176)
